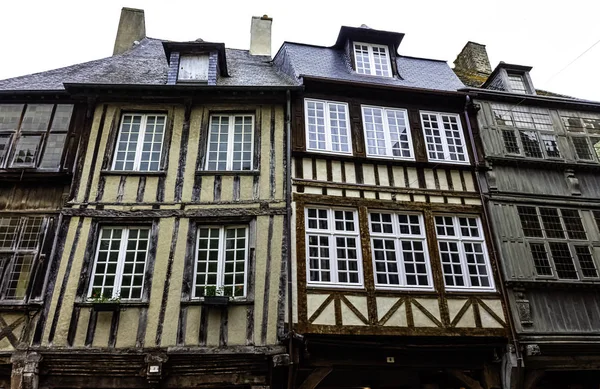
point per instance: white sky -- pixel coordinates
(548, 35)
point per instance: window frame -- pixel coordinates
(387, 134)
(522, 78)
(397, 237)
(15, 251)
(230, 141)
(333, 259)
(328, 141)
(462, 256)
(371, 56)
(221, 258)
(7, 160)
(140, 145)
(546, 240)
(439, 118)
(121, 260)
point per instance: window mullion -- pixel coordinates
(445, 148)
(140, 146)
(327, 121)
(332, 247)
(230, 129)
(399, 253)
(386, 134)
(371, 60)
(221, 259)
(121, 262)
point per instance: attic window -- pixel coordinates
(371, 59)
(516, 82)
(193, 68)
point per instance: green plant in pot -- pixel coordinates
(215, 296)
(104, 301)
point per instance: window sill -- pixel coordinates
(131, 173)
(122, 304)
(19, 306)
(228, 172)
(200, 302)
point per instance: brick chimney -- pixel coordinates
(132, 27)
(260, 35)
(472, 65)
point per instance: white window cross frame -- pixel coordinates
(445, 147)
(230, 142)
(372, 71)
(139, 150)
(386, 133)
(327, 123)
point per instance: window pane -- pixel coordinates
(347, 259)
(456, 148)
(107, 259)
(415, 262)
(433, 136)
(62, 118)
(9, 232)
(53, 151)
(30, 234)
(551, 221)
(581, 148)
(242, 142)
(235, 261)
(476, 264)
(540, 259)
(37, 117)
(10, 114)
(315, 121)
(565, 268)
(128, 142)
(18, 275)
(207, 260)
(516, 83)
(510, 142)
(596, 146)
(338, 123)
(550, 145)
(134, 264)
(530, 222)
(26, 151)
(531, 144)
(152, 143)
(573, 224)
(451, 264)
(319, 266)
(374, 131)
(361, 55)
(399, 137)
(586, 261)
(380, 61)
(386, 263)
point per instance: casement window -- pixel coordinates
(583, 129)
(140, 142)
(21, 238)
(387, 132)
(221, 261)
(531, 133)
(465, 262)
(33, 135)
(444, 137)
(120, 263)
(399, 250)
(516, 83)
(327, 126)
(193, 68)
(372, 59)
(230, 142)
(558, 242)
(333, 254)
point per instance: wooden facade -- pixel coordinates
(550, 173)
(359, 320)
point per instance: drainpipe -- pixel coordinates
(288, 238)
(490, 231)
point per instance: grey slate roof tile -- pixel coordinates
(304, 60)
(146, 64)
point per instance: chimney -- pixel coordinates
(473, 59)
(132, 27)
(260, 35)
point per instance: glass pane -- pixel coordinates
(152, 143)
(53, 151)
(9, 227)
(573, 224)
(18, 276)
(550, 145)
(4, 144)
(242, 142)
(361, 55)
(563, 260)
(235, 260)
(552, 224)
(510, 142)
(10, 114)
(433, 136)
(62, 118)
(581, 148)
(37, 117)
(540, 259)
(127, 143)
(380, 61)
(218, 143)
(315, 124)
(399, 136)
(30, 235)
(586, 261)
(374, 131)
(338, 123)
(134, 265)
(107, 260)
(530, 222)
(531, 144)
(26, 151)
(456, 148)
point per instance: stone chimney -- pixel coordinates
(473, 58)
(132, 27)
(260, 35)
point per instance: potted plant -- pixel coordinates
(215, 296)
(103, 302)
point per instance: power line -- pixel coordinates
(573, 61)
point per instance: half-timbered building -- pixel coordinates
(539, 154)
(395, 280)
(165, 256)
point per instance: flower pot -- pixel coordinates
(216, 300)
(106, 307)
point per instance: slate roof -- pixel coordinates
(305, 60)
(146, 64)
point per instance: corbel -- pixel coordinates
(523, 308)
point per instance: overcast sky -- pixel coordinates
(548, 35)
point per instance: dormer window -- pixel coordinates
(193, 68)
(372, 59)
(517, 84)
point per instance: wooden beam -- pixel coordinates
(465, 379)
(315, 378)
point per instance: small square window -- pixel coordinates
(372, 60)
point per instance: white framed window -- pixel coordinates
(327, 126)
(230, 142)
(193, 68)
(444, 137)
(464, 257)
(387, 132)
(221, 260)
(21, 238)
(140, 142)
(372, 59)
(399, 249)
(333, 256)
(120, 263)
